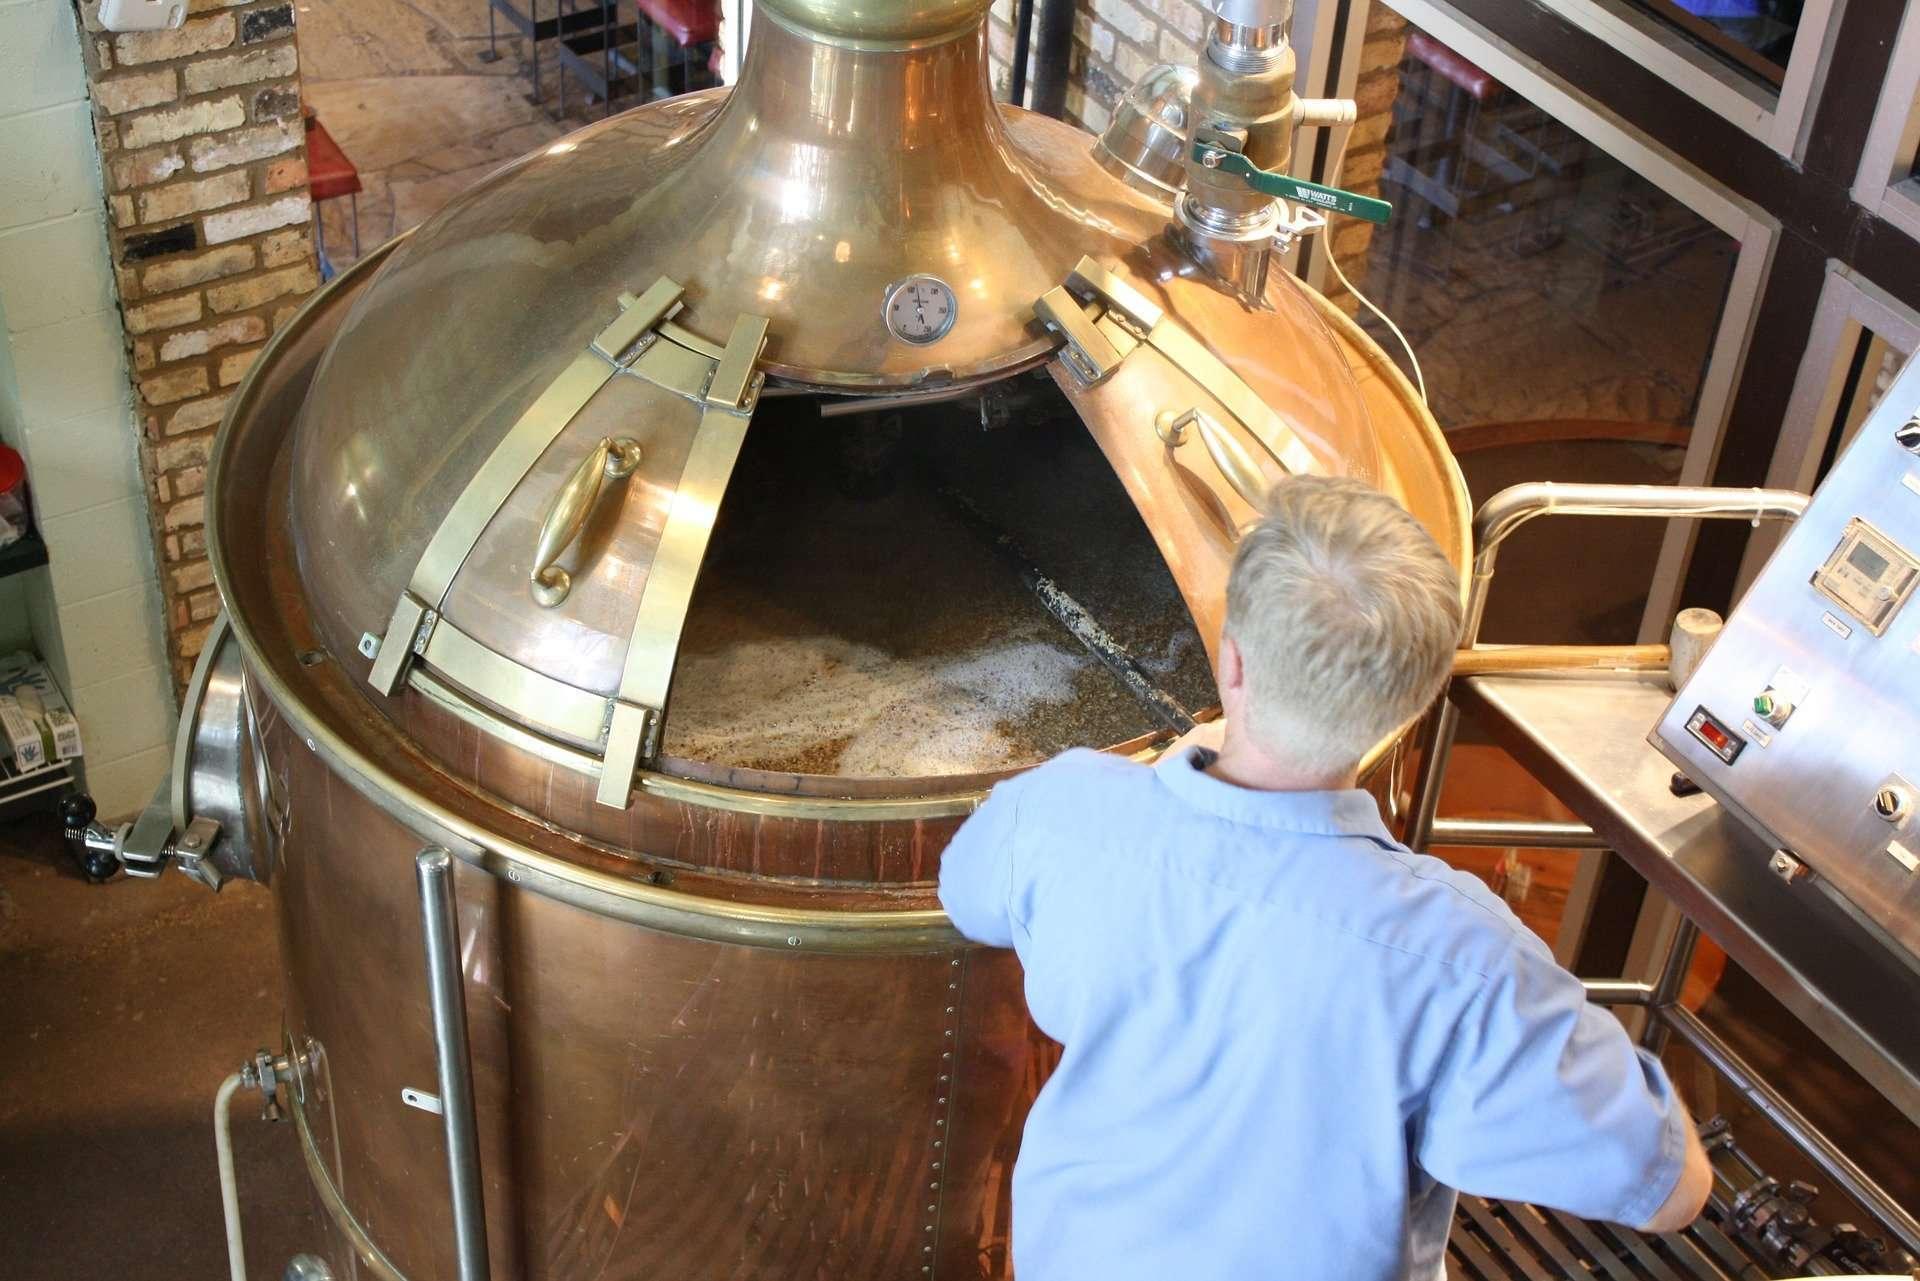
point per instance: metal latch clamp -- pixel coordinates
(1088, 352)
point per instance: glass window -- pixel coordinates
(1870, 372)
(1756, 36)
(1563, 310)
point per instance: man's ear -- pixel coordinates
(1232, 671)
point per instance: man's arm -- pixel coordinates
(1542, 1097)
(976, 869)
(1689, 1195)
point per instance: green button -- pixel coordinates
(1763, 704)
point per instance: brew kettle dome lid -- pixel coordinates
(511, 456)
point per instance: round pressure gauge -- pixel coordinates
(920, 309)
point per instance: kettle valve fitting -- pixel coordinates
(1215, 151)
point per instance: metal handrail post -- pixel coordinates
(1513, 507)
(446, 994)
(1618, 992)
(1672, 978)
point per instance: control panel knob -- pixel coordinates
(1771, 707)
(1907, 435)
(1892, 803)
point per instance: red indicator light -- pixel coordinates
(1720, 740)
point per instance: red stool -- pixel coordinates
(684, 23)
(1476, 83)
(330, 175)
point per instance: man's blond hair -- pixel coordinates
(1346, 614)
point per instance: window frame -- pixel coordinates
(1777, 118)
(1885, 184)
(1849, 306)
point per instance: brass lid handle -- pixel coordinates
(1236, 462)
(614, 458)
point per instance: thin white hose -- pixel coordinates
(1333, 180)
(229, 1186)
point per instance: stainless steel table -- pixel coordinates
(1584, 737)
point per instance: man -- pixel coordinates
(1288, 1039)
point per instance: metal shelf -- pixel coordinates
(625, 70)
(16, 787)
(538, 30)
(22, 555)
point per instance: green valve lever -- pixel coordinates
(1287, 187)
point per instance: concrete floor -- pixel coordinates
(122, 1006)
(1606, 290)
(402, 87)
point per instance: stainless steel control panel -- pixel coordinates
(1804, 718)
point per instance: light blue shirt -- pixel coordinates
(1287, 1039)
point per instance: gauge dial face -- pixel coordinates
(920, 309)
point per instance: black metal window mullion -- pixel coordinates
(1843, 113)
(1782, 325)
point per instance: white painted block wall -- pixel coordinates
(67, 404)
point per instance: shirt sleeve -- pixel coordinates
(976, 870)
(1542, 1097)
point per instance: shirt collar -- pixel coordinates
(1351, 812)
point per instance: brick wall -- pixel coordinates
(1115, 41)
(1379, 82)
(204, 154)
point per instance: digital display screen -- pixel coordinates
(1720, 740)
(1867, 561)
(1868, 575)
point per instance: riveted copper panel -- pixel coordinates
(648, 1105)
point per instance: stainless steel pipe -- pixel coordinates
(229, 1182)
(447, 997)
(1618, 992)
(1252, 13)
(1526, 834)
(1513, 507)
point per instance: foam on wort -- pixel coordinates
(849, 623)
